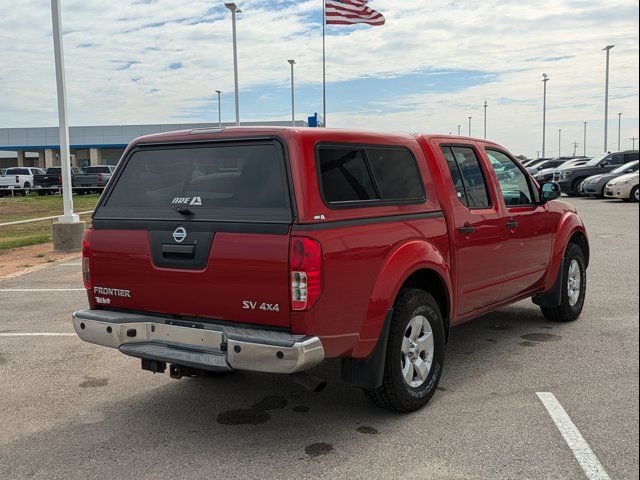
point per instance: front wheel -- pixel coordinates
(415, 354)
(574, 290)
(635, 195)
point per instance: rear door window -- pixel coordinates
(369, 175)
(468, 177)
(231, 181)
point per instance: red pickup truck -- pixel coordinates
(273, 249)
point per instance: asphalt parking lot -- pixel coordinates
(74, 410)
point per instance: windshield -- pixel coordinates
(626, 167)
(595, 161)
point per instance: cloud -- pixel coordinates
(429, 68)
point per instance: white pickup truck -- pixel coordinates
(18, 179)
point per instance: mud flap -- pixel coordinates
(368, 373)
(553, 297)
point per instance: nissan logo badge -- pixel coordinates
(179, 234)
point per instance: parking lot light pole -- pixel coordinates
(67, 232)
(619, 131)
(219, 108)
(235, 10)
(459, 130)
(633, 139)
(584, 140)
(545, 79)
(559, 142)
(470, 125)
(65, 160)
(293, 93)
(606, 99)
(485, 119)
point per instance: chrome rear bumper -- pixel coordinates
(199, 345)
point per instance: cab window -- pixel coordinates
(516, 189)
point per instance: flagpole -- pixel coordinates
(324, 64)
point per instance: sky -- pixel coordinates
(432, 66)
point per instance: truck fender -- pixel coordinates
(569, 225)
(366, 367)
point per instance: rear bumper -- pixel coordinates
(199, 345)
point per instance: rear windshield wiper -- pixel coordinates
(185, 211)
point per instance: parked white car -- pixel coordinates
(18, 179)
(624, 187)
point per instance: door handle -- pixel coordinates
(467, 230)
(512, 225)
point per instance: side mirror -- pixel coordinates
(549, 191)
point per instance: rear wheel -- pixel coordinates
(415, 354)
(635, 195)
(574, 275)
(26, 188)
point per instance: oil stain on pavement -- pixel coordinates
(318, 449)
(93, 382)
(270, 403)
(255, 415)
(367, 430)
(541, 337)
(246, 416)
(301, 409)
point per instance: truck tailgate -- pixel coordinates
(196, 231)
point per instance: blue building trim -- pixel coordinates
(13, 148)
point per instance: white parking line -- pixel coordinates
(590, 464)
(14, 290)
(44, 334)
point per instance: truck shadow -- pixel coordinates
(229, 420)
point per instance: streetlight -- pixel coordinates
(545, 79)
(606, 99)
(485, 119)
(619, 131)
(584, 140)
(459, 130)
(235, 10)
(293, 94)
(219, 108)
(559, 142)
(633, 139)
(65, 161)
(470, 126)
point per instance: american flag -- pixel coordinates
(350, 12)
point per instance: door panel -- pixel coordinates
(478, 234)
(528, 226)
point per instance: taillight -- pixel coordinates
(100, 177)
(17, 178)
(59, 179)
(305, 267)
(86, 256)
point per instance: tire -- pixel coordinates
(574, 188)
(571, 306)
(412, 308)
(634, 195)
(26, 189)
